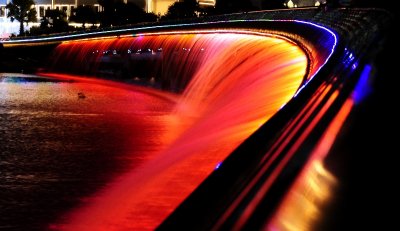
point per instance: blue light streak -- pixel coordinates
(363, 87)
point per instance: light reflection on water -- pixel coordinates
(56, 148)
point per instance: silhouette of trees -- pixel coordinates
(182, 9)
(116, 12)
(22, 11)
(106, 17)
(234, 6)
(57, 19)
(130, 13)
(84, 14)
(54, 21)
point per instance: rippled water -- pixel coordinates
(62, 140)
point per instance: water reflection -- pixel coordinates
(56, 149)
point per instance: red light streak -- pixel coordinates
(281, 143)
(275, 173)
(313, 186)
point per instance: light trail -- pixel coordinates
(301, 207)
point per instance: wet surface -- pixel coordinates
(60, 141)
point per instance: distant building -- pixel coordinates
(3, 4)
(159, 7)
(7, 27)
(154, 6)
(64, 5)
(42, 5)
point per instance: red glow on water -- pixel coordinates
(233, 83)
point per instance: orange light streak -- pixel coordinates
(278, 146)
(275, 173)
(300, 208)
(299, 121)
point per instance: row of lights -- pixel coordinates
(139, 51)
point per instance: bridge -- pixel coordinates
(279, 172)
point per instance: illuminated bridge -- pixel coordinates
(249, 107)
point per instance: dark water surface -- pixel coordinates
(60, 141)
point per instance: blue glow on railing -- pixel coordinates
(348, 59)
(218, 165)
(333, 46)
(363, 87)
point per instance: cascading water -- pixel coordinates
(231, 83)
